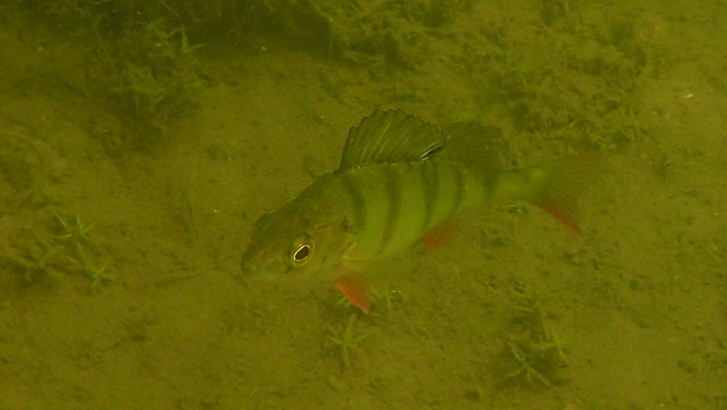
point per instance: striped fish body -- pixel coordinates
(394, 205)
(399, 180)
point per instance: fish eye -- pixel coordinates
(301, 251)
(301, 254)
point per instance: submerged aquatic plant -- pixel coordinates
(346, 340)
(534, 352)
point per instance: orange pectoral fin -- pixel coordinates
(356, 290)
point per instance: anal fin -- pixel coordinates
(566, 181)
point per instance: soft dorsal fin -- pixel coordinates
(391, 137)
(473, 144)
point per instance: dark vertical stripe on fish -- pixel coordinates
(459, 189)
(430, 184)
(357, 199)
(393, 195)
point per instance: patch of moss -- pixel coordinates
(142, 61)
(155, 79)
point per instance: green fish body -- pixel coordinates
(400, 181)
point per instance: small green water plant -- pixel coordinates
(156, 77)
(43, 254)
(385, 301)
(139, 64)
(534, 352)
(72, 231)
(345, 340)
(73, 236)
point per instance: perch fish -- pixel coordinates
(401, 180)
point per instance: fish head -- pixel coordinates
(297, 243)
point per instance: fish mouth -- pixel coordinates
(249, 273)
(240, 278)
(246, 273)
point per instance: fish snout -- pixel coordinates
(246, 272)
(251, 273)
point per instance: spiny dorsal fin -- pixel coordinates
(391, 137)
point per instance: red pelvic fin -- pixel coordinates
(356, 290)
(443, 234)
(438, 237)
